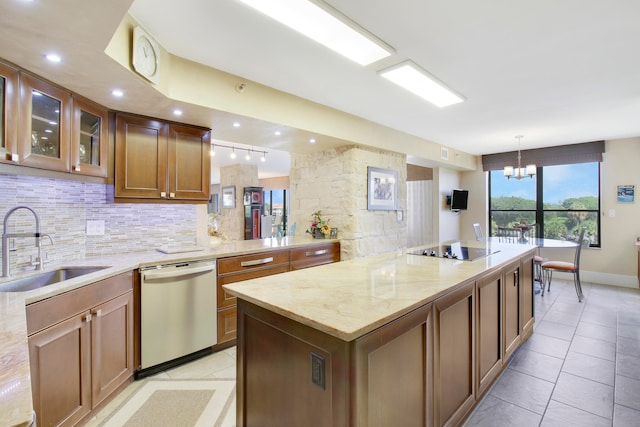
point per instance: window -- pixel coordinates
(275, 203)
(561, 199)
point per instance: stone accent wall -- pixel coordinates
(335, 182)
(232, 220)
(64, 208)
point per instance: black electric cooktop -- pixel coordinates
(455, 251)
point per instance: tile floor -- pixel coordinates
(581, 366)
(220, 365)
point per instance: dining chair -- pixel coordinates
(531, 235)
(548, 267)
(508, 234)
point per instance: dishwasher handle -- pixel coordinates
(150, 275)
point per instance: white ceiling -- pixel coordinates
(557, 72)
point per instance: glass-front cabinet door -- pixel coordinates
(8, 114)
(44, 137)
(89, 138)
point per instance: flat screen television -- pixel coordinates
(459, 200)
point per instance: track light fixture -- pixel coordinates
(233, 154)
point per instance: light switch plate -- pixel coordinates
(95, 227)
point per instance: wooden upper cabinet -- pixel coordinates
(189, 162)
(140, 157)
(159, 160)
(8, 112)
(89, 145)
(44, 131)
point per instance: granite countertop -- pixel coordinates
(15, 380)
(351, 298)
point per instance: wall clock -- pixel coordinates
(146, 55)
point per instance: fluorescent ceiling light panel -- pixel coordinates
(326, 27)
(416, 80)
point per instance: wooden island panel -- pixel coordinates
(426, 367)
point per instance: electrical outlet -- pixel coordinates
(317, 370)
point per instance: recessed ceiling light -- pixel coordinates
(277, 133)
(320, 22)
(52, 57)
(411, 77)
(117, 93)
(236, 124)
(312, 140)
(177, 112)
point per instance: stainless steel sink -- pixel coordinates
(47, 278)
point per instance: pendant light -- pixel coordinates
(519, 172)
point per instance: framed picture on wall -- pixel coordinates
(382, 189)
(229, 197)
(626, 193)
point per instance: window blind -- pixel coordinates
(561, 155)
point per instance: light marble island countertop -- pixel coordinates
(15, 380)
(351, 298)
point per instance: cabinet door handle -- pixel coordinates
(87, 318)
(316, 253)
(172, 195)
(515, 278)
(76, 168)
(163, 194)
(98, 313)
(256, 262)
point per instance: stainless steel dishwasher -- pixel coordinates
(178, 310)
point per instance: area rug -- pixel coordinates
(177, 403)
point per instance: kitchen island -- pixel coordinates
(393, 339)
(16, 406)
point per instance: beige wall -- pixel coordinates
(446, 223)
(615, 262)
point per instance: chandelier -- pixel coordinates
(519, 172)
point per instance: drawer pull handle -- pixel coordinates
(316, 253)
(256, 262)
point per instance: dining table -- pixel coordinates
(539, 242)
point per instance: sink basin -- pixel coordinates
(47, 278)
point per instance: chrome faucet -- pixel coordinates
(6, 236)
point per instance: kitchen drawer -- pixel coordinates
(227, 300)
(253, 262)
(311, 256)
(42, 314)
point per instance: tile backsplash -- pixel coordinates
(64, 207)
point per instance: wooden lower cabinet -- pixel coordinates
(293, 375)
(399, 396)
(244, 267)
(527, 311)
(454, 355)
(428, 367)
(77, 362)
(60, 358)
(489, 330)
(227, 324)
(512, 326)
(111, 346)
